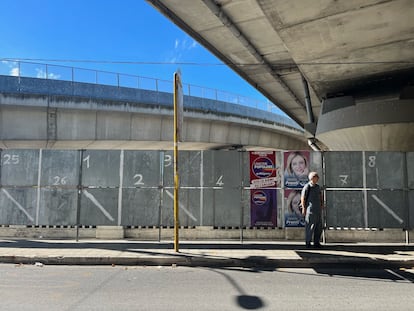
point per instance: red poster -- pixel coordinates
(263, 169)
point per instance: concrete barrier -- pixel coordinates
(47, 232)
(110, 232)
(366, 235)
(207, 233)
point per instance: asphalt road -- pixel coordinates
(36, 287)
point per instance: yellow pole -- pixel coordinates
(177, 83)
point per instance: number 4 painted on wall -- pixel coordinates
(219, 181)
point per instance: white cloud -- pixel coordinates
(54, 76)
(14, 71)
(181, 46)
(193, 44)
(42, 75)
(185, 44)
(12, 67)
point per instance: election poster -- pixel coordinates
(293, 212)
(263, 208)
(263, 183)
(263, 172)
(296, 172)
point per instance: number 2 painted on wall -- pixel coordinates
(139, 179)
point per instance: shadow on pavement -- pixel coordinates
(203, 253)
(125, 245)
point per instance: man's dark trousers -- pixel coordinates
(313, 227)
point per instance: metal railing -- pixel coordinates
(74, 74)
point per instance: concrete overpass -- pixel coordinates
(343, 70)
(38, 113)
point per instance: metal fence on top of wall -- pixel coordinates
(135, 188)
(120, 80)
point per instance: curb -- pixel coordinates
(195, 261)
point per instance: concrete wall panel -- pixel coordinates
(384, 170)
(113, 126)
(141, 169)
(100, 168)
(75, 125)
(345, 209)
(19, 167)
(206, 207)
(387, 209)
(189, 168)
(146, 127)
(167, 209)
(190, 207)
(192, 212)
(18, 206)
(60, 168)
(140, 207)
(167, 126)
(223, 169)
(197, 130)
(344, 169)
(99, 207)
(17, 124)
(227, 209)
(58, 207)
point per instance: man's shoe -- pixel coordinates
(318, 245)
(308, 245)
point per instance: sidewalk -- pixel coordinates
(203, 253)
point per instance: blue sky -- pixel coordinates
(129, 31)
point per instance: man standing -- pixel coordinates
(312, 205)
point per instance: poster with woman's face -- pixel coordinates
(296, 168)
(293, 212)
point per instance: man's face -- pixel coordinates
(315, 179)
